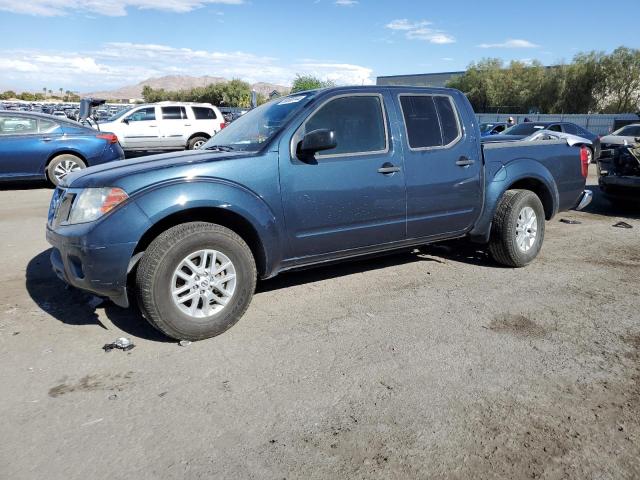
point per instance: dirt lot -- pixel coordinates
(437, 364)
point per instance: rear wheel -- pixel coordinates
(63, 165)
(196, 142)
(195, 280)
(518, 227)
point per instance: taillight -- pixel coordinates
(584, 161)
(222, 125)
(109, 137)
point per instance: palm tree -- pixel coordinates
(61, 90)
(44, 90)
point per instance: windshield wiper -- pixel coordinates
(221, 148)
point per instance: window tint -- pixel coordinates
(448, 121)
(570, 128)
(583, 132)
(48, 126)
(143, 114)
(357, 121)
(173, 113)
(630, 131)
(204, 113)
(18, 126)
(421, 120)
(554, 128)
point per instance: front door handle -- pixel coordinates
(47, 139)
(464, 162)
(388, 168)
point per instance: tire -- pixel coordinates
(507, 246)
(157, 276)
(60, 166)
(196, 142)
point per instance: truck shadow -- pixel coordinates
(75, 307)
(600, 205)
(25, 185)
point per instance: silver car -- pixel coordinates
(627, 135)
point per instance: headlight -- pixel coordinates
(92, 203)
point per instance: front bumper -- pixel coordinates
(585, 200)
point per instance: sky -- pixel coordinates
(90, 45)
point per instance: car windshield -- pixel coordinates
(628, 131)
(256, 127)
(526, 128)
(118, 115)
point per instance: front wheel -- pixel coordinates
(518, 227)
(195, 280)
(196, 142)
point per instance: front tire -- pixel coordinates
(518, 227)
(63, 165)
(195, 281)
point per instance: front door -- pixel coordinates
(140, 129)
(443, 166)
(349, 197)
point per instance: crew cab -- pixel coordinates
(314, 177)
(165, 126)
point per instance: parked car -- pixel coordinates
(619, 172)
(35, 146)
(310, 178)
(541, 135)
(166, 126)
(522, 130)
(627, 135)
(59, 113)
(492, 128)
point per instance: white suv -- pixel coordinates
(165, 126)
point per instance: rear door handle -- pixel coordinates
(465, 162)
(388, 168)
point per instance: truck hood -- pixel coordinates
(114, 173)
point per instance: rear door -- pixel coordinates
(141, 129)
(175, 127)
(206, 120)
(443, 165)
(349, 197)
(25, 145)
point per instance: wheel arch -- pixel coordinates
(67, 151)
(538, 187)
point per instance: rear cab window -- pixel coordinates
(431, 121)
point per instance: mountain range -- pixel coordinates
(179, 82)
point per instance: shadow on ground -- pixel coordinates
(75, 307)
(25, 185)
(623, 208)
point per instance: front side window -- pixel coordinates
(174, 113)
(570, 128)
(144, 114)
(555, 128)
(357, 121)
(204, 113)
(18, 126)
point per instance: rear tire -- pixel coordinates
(181, 263)
(62, 165)
(518, 227)
(196, 142)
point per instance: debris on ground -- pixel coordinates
(622, 225)
(113, 397)
(570, 222)
(121, 343)
(184, 343)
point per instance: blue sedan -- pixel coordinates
(36, 146)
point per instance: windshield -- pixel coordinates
(258, 126)
(526, 128)
(628, 131)
(118, 115)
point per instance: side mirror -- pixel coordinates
(317, 141)
(125, 120)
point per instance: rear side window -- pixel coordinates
(448, 119)
(204, 113)
(358, 123)
(421, 120)
(174, 113)
(47, 126)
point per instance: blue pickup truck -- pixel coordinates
(306, 179)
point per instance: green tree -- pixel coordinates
(621, 81)
(309, 82)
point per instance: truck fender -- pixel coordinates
(523, 173)
(164, 200)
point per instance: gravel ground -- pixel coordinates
(430, 364)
